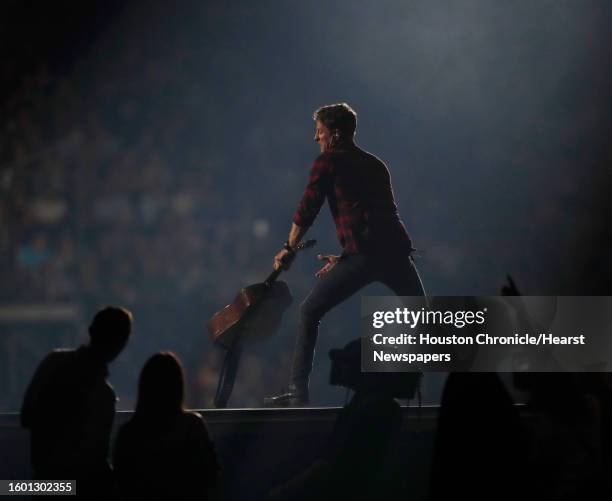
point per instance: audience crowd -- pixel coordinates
(98, 204)
(556, 448)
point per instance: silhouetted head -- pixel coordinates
(335, 124)
(161, 389)
(109, 331)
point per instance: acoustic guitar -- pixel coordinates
(254, 314)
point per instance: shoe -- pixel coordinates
(291, 397)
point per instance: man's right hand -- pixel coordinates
(283, 259)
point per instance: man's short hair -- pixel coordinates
(110, 324)
(339, 117)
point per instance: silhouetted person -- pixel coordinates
(69, 408)
(566, 433)
(565, 426)
(164, 452)
(480, 440)
(481, 451)
(354, 463)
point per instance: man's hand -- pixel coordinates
(331, 262)
(512, 295)
(283, 259)
(510, 288)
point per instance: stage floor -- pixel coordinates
(260, 448)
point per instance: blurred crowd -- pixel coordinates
(93, 213)
(98, 205)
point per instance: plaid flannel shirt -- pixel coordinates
(357, 186)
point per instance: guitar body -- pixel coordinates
(254, 314)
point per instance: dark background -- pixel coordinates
(152, 155)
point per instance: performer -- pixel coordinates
(376, 246)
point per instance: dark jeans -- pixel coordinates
(350, 274)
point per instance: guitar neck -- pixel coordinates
(273, 276)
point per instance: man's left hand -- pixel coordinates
(331, 262)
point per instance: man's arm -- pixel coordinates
(284, 257)
(296, 234)
(307, 211)
(31, 407)
(319, 184)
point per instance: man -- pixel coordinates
(69, 408)
(376, 246)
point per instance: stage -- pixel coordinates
(261, 448)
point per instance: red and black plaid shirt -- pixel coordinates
(357, 186)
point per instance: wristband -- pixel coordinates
(288, 248)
